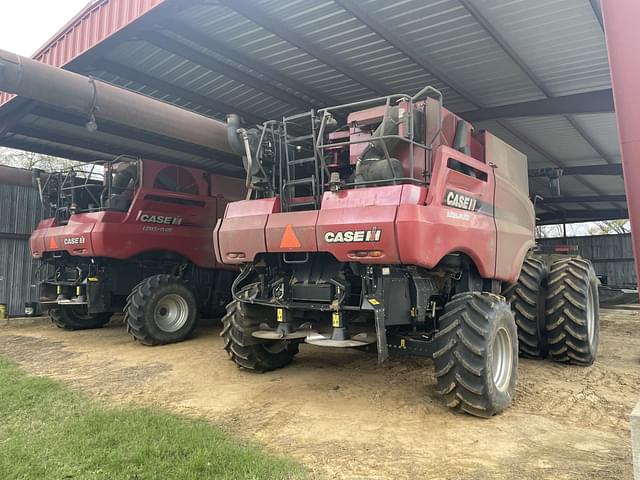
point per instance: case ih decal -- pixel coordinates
(159, 219)
(461, 201)
(74, 241)
(351, 236)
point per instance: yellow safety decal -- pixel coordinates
(93, 279)
(336, 319)
(280, 314)
(78, 291)
(403, 343)
(58, 289)
(374, 302)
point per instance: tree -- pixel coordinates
(29, 160)
(611, 227)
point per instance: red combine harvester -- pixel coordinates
(393, 222)
(128, 234)
(132, 235)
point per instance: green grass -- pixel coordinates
(48, 431)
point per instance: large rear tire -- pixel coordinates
(250, 353)
(76, 318)
(476, 360)
(573, 314)
(161, 309)
(527, 298)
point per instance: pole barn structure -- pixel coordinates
(537, 74)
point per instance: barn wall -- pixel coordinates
(20, 212)
(612, 255)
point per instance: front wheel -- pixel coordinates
(77, 318)
(161, 309)
(476, 358)
(246, 351)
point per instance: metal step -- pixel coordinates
(300, 181)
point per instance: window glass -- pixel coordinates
(176, 179)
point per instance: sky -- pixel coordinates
(26, 25)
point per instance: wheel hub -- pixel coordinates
(591, 317)
(171, 313)
(502, 364)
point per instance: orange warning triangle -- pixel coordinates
(289, 238)
(52, 244)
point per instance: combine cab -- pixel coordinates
(393, 222)
(132, 235)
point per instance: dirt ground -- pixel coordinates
(345, 417)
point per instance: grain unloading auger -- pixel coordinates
(130, 234)
(394, 222)
(98, 100)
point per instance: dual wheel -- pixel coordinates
(161, 309)
(557, 310)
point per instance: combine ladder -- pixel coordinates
(301, 189)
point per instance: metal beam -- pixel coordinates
(260, 16)
(106, 149)
(356, 9)
(597, 11)
(54, 150)
(574, 216)
(173, 46)
(582, 198)
(614, 169)
(64, 139)
(189, 33)
(128, 133)
(128, 73)
(600, 101)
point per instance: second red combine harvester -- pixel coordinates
(135, 236)
(393, 222)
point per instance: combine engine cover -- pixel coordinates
(391, 199)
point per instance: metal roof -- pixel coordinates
(534, 73)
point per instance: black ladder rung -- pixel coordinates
(302, 161)
(300, 181)
(301, 138)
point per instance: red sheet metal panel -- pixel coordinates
(92, 25)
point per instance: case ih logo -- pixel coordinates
(458, 200)
(74, 241)
(159, 219)
(351, 236)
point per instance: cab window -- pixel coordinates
(176, 179)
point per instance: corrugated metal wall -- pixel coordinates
(612, 255)
(20, 211)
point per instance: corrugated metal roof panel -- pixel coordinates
(96, 22)
(559, 138)
(603, 130)
(559, 40)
